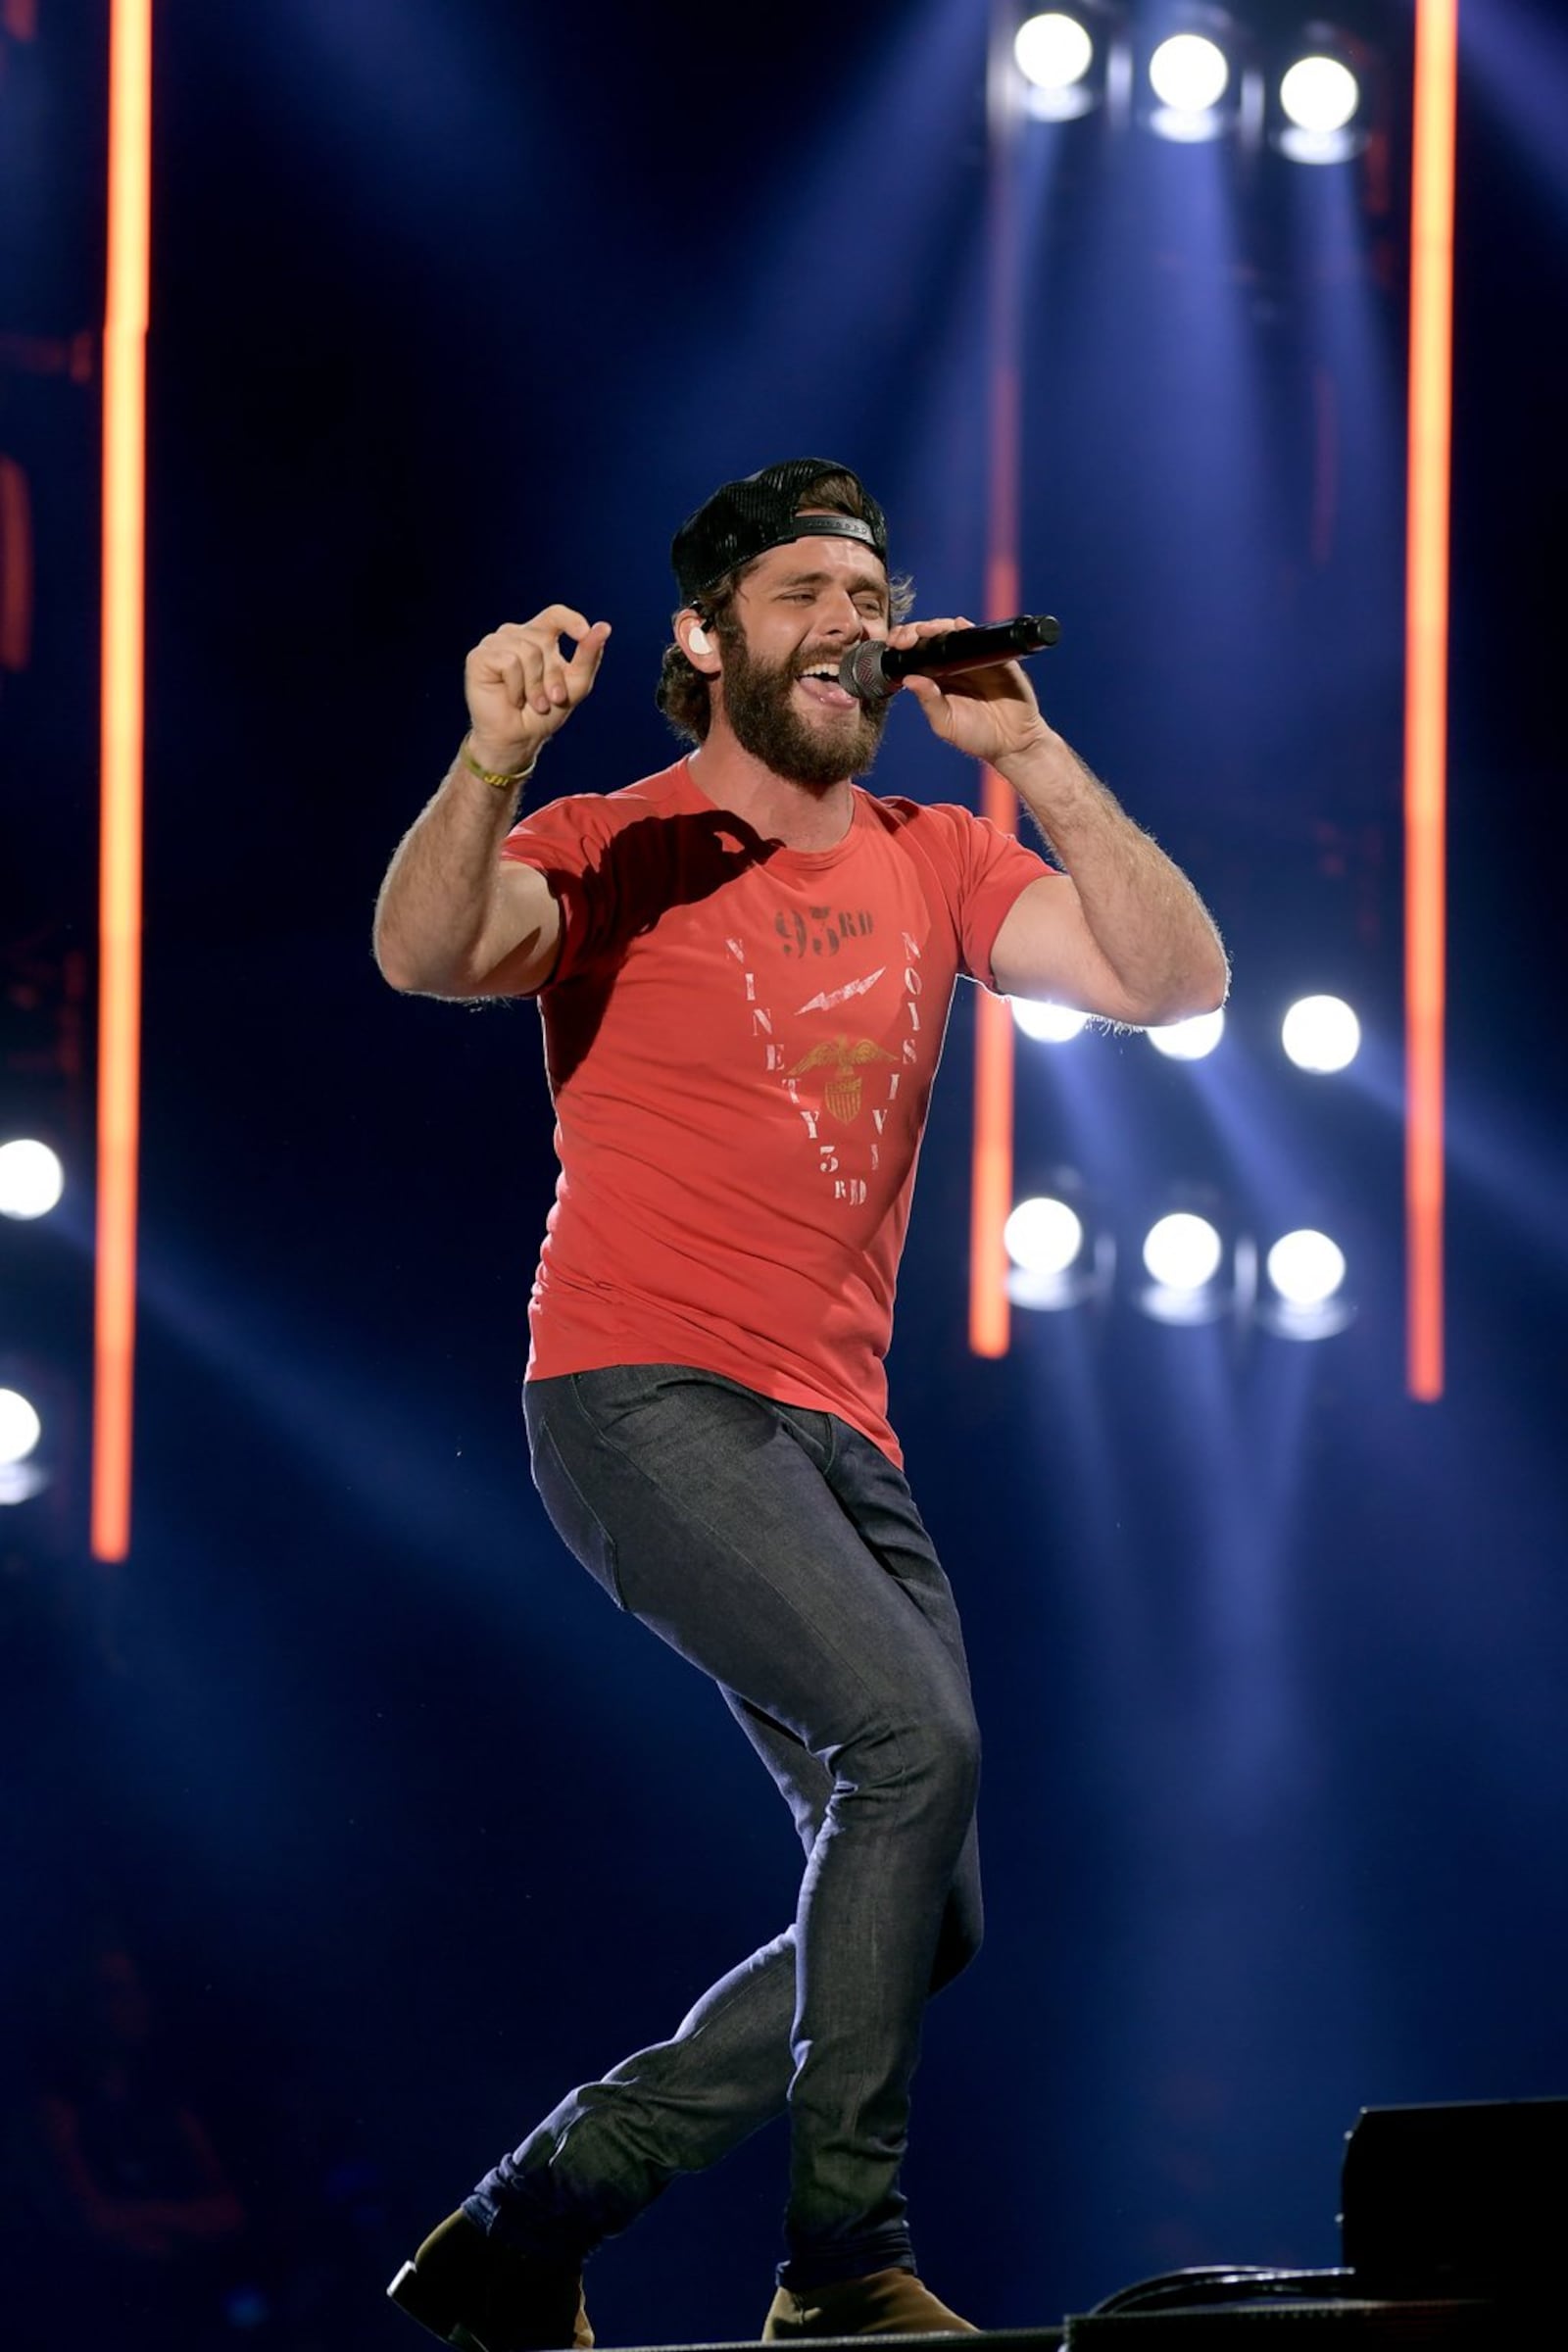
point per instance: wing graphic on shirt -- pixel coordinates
(844, 1092)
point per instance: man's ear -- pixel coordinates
(696, 642)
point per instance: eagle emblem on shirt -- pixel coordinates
(845, 1090)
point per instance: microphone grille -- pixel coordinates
(860, 672)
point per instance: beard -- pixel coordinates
(765, 721)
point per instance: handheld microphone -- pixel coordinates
(872, 672)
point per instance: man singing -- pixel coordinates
(744, 967)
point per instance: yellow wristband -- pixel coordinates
(496, 781)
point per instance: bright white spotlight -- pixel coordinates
(1043, 1236)
(1189, 73)
(1188, 1041)
(1182, 1252)
(1054, 1023)
(1307, 1267)
(19, 1427)
(31, 1179)
(1321, 1032)
(1052, 51)
(1319, 95)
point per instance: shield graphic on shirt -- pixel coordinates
(844, 1092)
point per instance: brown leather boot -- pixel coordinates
(477, 2293)
(887, 2303)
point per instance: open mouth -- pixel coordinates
(820, 685)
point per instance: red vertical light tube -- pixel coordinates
(124, 458)
(1427, 676)
(990, 1185)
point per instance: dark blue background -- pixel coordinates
(457, 309)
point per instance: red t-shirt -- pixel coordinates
(741, 1040)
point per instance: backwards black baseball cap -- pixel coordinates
(745, 518)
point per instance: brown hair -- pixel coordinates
(682, 691)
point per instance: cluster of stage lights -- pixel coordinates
(1297, 1292)
(31, 1182)
(1318, 1033)
(1190, 82)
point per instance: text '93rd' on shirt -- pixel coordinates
(741, 1041)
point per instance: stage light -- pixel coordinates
(1189, 73)
(19, 1427)
(1062, 1251)
(1321, 1032)
(1182, 1252)
(1319, 96)
(1305, 1296)
(1044, 1236)
(1322, 102)
(31, 1179)
(1188, 1041)
(1065, 71)
(32, 1415)
(1306, 1268)
(1053, 1024)
(1053, 50)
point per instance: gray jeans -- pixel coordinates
(781, 1553)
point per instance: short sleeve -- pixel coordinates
(989, 870)
(568, 842)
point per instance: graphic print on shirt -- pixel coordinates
(844, 1090)
(842, 1084)
(820, 930)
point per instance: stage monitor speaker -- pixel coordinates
(1458, 2201)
